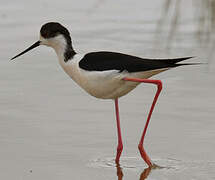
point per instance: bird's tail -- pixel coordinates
(184, 64)
(174, 62)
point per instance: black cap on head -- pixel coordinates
(51, 29)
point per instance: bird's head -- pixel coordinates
(52, 34)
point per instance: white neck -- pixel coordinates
(59, 45)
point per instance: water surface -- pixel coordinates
(51, 129)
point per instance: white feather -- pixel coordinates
(101, 84)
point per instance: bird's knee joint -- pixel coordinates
(140, 146)
(120, 148)
(159, 84)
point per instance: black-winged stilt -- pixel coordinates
(105, 75)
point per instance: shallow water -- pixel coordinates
(48, 131)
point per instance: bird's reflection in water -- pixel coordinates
(119, 172)
(145, 173)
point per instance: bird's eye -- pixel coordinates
(45, 34)
(50, 34)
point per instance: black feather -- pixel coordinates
(103, 61)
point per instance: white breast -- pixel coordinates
(102, 84)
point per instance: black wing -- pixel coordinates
(103, 61)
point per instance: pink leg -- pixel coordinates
(159, 88)
(120, 145)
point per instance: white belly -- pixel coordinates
(103, 84)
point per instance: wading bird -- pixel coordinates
(105, 75)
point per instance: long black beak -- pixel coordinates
(28, 49)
